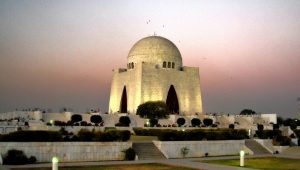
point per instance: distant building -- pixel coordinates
(155, 72)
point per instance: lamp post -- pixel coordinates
(242, 154)
(55, 163)
(52, 122)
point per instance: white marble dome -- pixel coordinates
(157, 50)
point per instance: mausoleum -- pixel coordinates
(155, 72)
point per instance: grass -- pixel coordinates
(269, 163)
(142, 138)
(151, 166)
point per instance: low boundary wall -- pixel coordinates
(69, 151)
(173, 149)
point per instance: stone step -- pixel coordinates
(147, 151)
(256, 147)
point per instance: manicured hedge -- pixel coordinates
(107, 136)
(55, 136)
(201, 134)
(267, 134)
(32, 136)
(147, 132)
(276, 135)
(195, 134)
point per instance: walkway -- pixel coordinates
(189, 162)
(177, 162)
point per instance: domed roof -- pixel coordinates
(155, 49)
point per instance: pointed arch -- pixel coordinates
(123, 102)
(172, 101)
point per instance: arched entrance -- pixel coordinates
(123, 103)
(172, 101)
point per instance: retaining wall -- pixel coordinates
(69, 151)
(173, 149)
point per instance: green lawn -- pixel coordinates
(119, 167)
(263, 163)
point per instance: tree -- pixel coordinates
(207, 122)
(96, 119)
(153, 109)
(247, 112)
(76, 118)
(195, 122)
(293, 123)
(180, 121)
(280, 120)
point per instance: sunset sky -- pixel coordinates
(56, 54)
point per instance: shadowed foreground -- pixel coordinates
(115, 167)
(262, 163)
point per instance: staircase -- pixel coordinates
(255, 147)
(147, 151)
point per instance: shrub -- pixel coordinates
(201, 134)
(195, 122)
(96, 119)
(260, 127)
(76, 118)
(86, 135)
(17, 157)
(113, 135)
(63, 131)
(275, 126)
(124, 121)
(231, 126)
(297, 132)
(293, 125)
(59, 123)
(129, 154)
(83, 123)
(32, 136)
(282, 140)
(124, 135)
(180, 121)
(207, 122)
(147, 132)
(153, 122)
(171, 135)
(268, 134)
(214, 125)
(32, 159)
(184, 151)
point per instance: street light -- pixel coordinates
(55, 163)
(242, 154)
(52, 122)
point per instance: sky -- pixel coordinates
(56, 54)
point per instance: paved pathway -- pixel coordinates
(177, 162)
(192, 163)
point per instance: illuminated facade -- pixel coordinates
(155, 72)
